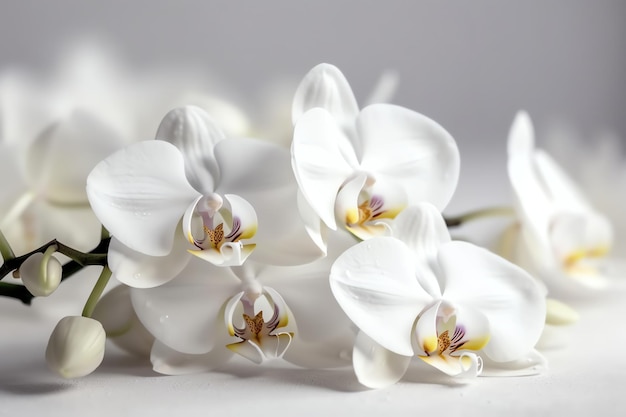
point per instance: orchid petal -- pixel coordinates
(190, 326)
(521, 140)
(374, 282)
(52, 168)
(426, 336)
(511, 300)
(248, 350)
(168, 361)
(561, 189)
(465, 364)
(578, 235)
(317, 230)
(326, 87)
(375, 366)
(195, 134)
(423, 230)
(140, 194)
(530, 364)
(306, 291)
(122, 326)
(260, 173)
(322, 159)
(385, 88)
(138, 270)
(409, 149)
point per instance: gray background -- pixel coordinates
(470, 65)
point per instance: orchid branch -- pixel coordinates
(456, 221)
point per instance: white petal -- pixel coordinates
(52, 166)
(375, 366)
(562, 190)
(326, 87)
(521, 135)
(260, 173)
(317, 230)
(426, 336)
(168, 361)
(122, 326)
(465, 364)
(533, 203)
(423, 230)
(511, 300)
(144, 271)
(530, 364)
(306, 291)
(385, 88)
(194, 324)
(140, 194)
(195, 134)
(374, 282)
(408, 148)
(580, 234)
(76, 226)
(322, 159)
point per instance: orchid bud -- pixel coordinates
(41, 273)
(76, 346)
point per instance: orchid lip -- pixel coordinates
(259, 340)
(219, 231)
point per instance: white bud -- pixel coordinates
(559, 313)
(41, 274)
(76, 346)
(117, 315)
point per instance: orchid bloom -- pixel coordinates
(417, 293)
(260, 312)
(358, 168)
(561, 237)
(195, 188)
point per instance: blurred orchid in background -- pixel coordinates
(561, 238)
(417, 293)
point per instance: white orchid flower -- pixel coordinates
(357, 168)
(259, 312)
(229, 195)
(562, 239)
(452, 304)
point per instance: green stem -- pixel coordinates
(478, 214)
(97, 256)
(5, 248)
(97, 291)
(16, 291)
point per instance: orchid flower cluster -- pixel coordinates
(331, 253)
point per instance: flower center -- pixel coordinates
(368, 210)
(447, 345)
(259, 339)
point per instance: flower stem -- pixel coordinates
(97, 256)
(478, 214)
(16, 291)
(5, 248)
(97, 291)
